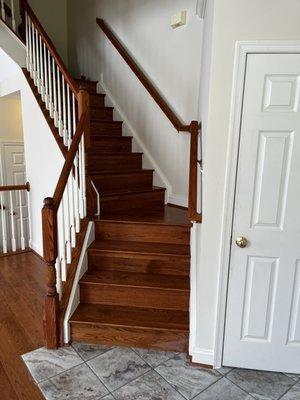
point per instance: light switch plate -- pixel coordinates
(178, 19)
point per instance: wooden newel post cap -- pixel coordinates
(48, 202)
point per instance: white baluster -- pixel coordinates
(55, 113)
(38, 73)
(33, 53)
(62, 242)
(59, 100)
(12, 223)
(27, 43)
(82, 179)
(42, 82)
(21, 222)
(58, 278)
(13, 20)
(2, 10)
(67, 227)
(46, 78)
(65, 131)
(30, 47)
(50, 85)
(76, 182)
(3, 223)
(69, 126)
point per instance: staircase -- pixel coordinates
(136, 289)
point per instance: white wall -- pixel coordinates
(53, 17)
(235, 20)
(42, 155)
(172, 58)
(11, 127)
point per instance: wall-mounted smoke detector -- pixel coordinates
(201, 7)
(178, 19)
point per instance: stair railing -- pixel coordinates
(59, 237)
(14, 224)
(7, 14)
(193, 128)
(63, 213)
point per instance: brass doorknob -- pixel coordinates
(241, 241)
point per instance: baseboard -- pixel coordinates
(36, 249)
(178, 200)
(203, 356)
(162, 179)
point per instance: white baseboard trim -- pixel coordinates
(178, 200)
(36, 248)
(132, 132)
(203, 356)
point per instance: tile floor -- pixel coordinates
(93, 372)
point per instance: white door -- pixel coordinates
(14, 173)
(263, 307)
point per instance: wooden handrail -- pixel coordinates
(194, 127)
(12, 188)
(67, 168)
(166, 109)
(73, 85)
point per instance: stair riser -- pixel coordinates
(134, 337)
(134, 201)
(152, 264)
(138, 232)
(164, 299)
(123, 182)
(97, 101)
(105, 128)
(91, 87)
(103, 114)
(112, 145)
(102, 163)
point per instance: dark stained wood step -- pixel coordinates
(113, 181)
(114, 161)
(135, 290)
(85, 84)
(99, 113)
(110, 128)
(97, 99)
(142, 257)
(149, 232)
(140, 248)
(110, 144)
(169, 215)
(129, 326)
(140, 199)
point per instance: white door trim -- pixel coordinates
(242, 49)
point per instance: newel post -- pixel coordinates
(51, 311)
(193, 176)
(84, 104)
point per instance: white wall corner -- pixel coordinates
(148, 162)
(35, 247)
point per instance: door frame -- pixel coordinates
(242, 50)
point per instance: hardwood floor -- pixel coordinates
(22, 293)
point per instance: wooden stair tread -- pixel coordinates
(130, 316)
(169, 216)
(116, 154)
(133, 191)
(123, 172)
(129, 247)
(133, 279)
